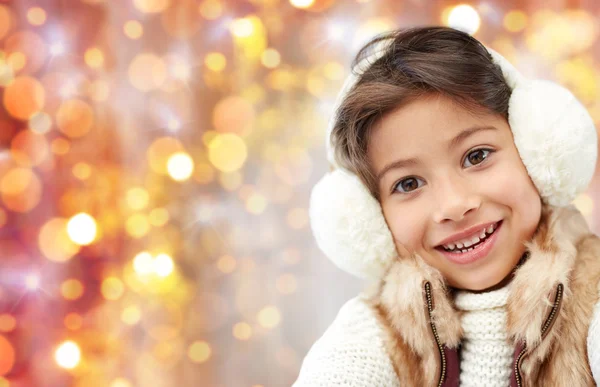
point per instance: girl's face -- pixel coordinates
(446, 175)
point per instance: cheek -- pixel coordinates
(512, 183)
(406, 224)
(513, 188)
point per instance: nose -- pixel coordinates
(455, 200)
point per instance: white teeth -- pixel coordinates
(476, 239)
(470, 249)
(464, 251)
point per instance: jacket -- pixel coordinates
(406, 330)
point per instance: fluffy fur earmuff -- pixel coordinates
(553, 133)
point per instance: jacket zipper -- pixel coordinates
(435, 334)
(547, 324)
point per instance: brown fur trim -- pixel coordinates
(561, 240)
(552, 256)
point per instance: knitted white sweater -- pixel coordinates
(486, 355)
(351, 352)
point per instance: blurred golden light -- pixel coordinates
(282, 79)
(179, 68)
(112, 288)
(163, 265)
(302, 3)
(515, 21)
(250, 36)
(242, 28)
(54, 241)
(159, 217)
(208, 136)
(286, 284)
(137, 198)
(7, 323)
(21, 189)
(67, 355)
(82, 171)
(73, 321)
(75, 118)
(230, 181)
(316, 85)
(99, 90)
(82, 229)
(36, 16)
(94, 57)
(297, 218)
(31, 48)
(465, 18)
(240, 122)
(120, 382)
(17, 60)
(133, 29)
(7, 356)
(3, 217)
(226, 264)
(131, 315)
(40, 122)
(72, 289)
(270, 58)
(29, 148)
(269, 317)
(151, 6)
(6, 73)
(256, 203)
(137, 225)
(23, 97)
(242, 331)
(180, 20)
(215, 61)
(211, 9)
(204, 173)
(199, 351)
(60, 146)
(32, 282)
(227, 152)
(147, 71)
(370, 28)
(180, 166)
(7, 20)
(160, 151)
(143, 263)
(334, 71)
(15, 181)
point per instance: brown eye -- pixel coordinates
(477, 156)
(407, 185)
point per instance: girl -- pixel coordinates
(451, 183)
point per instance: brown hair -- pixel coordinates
(414, 62)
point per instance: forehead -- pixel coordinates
(423, 126)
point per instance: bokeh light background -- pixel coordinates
(156, 161)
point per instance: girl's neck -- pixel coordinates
(505, 281)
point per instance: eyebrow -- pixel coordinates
(459, 138)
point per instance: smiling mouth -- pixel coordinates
(461, 248)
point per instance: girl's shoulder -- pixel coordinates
(351, 352)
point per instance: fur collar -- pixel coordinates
(399, 296)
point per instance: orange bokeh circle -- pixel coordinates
(23, 97)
